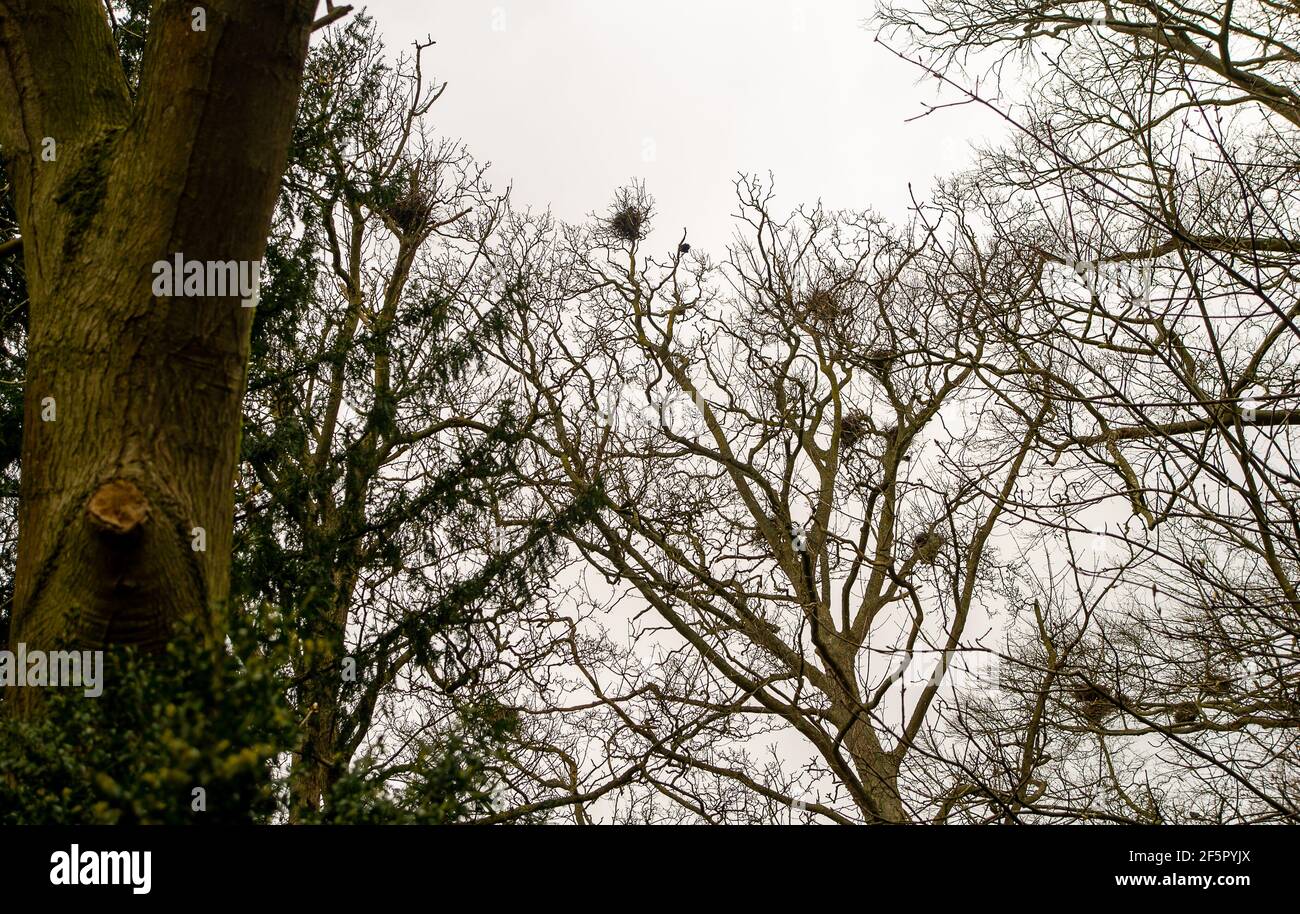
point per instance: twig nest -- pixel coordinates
(821, 306)
(411, 211)
(1186, 713)
(879, 360)
(628, 219)
(1096, 711)
(853, 428)
(927, 545)
(1094, 704)
(629, 223)
(1085, 694)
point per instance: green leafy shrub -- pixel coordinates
(187, 736)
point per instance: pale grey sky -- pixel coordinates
(571, 98)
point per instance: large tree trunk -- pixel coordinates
(144, 392)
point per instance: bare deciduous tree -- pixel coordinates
(1155, 674)
(797, 525)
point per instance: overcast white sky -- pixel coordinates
(571, 98)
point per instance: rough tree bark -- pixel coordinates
(132, 402)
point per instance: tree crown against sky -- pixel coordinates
(987, 515)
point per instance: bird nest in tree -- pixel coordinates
(880, 359)
(1094, 704)
(629, 215)
(1186, 713)
(853, 429)
(1097, 711)
(410, 211)
(926, 546)
(1218, 683)
(629, 223)
(821, 306)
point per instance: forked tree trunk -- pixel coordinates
(132, 402)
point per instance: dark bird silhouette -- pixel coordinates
(683, 248)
